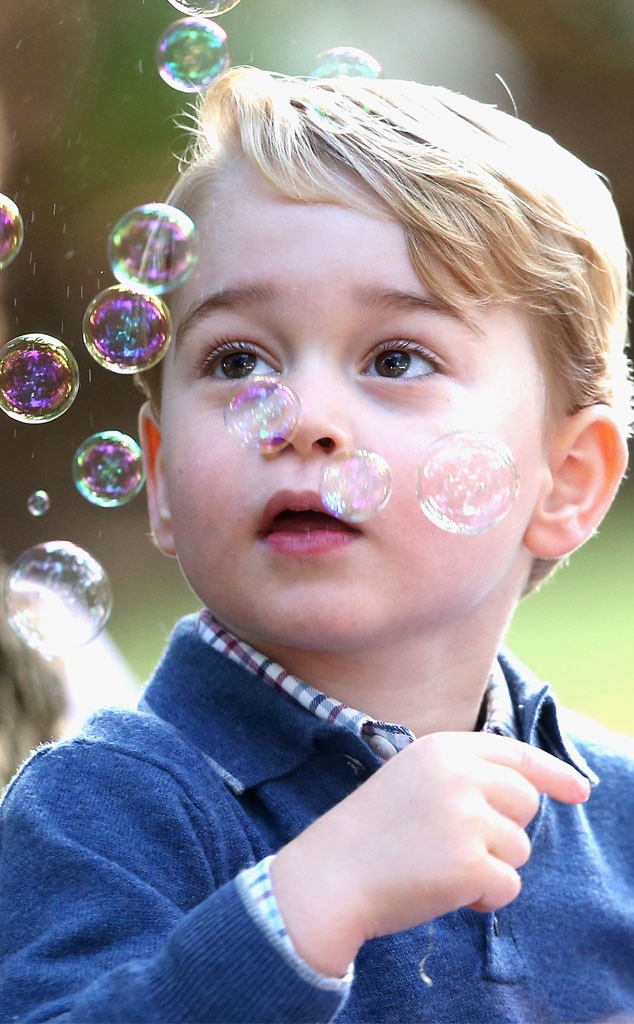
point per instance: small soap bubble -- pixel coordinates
(11, 231)
(206, 8)
(153, 246)
(468, 482)
(108, 468)
(57, 597)
(355, 484)
(347, 61)
(264, 415)
(191, 53)
(38, 503)
(39, 378)
(127, 329)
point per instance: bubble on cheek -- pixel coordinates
(127, 330)
(206, 8)
(154, 246)
(264, 415)
(355, 485)
(468, 482)
(11, 231)
(39, 378)
(348, 61)
(191, 53)
(108, 468)
(57, 597)
(38, 503)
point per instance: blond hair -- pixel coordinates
(493, 210)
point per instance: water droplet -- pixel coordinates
(347, 61)
(11, 231)
(264, 415)
(355, 484)
(127, 329)
(468, 482)
(154, 246)
(57, 597)
(38, 503)
(39, 378)
(191, 53)
(108, 468)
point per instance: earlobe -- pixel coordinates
(587, 460)
(155, 483)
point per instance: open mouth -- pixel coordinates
(308, 521)
(297, 521)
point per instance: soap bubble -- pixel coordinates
(127, 329)
(347, 61)
(468, 482)
(355, 484)
(191, 53)
(264, 415)
(11, 231)
(206, 8)
(108, 468)
(57, 597)
(153, 246)
(39, 378)
(38, 503)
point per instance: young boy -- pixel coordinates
(338, 798)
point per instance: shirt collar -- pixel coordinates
(384, 738)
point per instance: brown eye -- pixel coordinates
(392, 364)
(238, 364)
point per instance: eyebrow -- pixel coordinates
(226, 298)
(394, 298)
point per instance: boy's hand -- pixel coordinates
(440, 826)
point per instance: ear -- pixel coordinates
(155, 483)
(587, 457)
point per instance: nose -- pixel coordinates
(325, 425)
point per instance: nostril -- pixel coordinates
(327, 444)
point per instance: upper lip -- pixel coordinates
(292, 501)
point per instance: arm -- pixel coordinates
(114, 905)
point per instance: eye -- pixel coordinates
(399, 362)
(234, 362)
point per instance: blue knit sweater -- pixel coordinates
(120, 848)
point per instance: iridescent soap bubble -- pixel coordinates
(191, 53)
(11, 231)
(263, 415)
(347, 61)
(39, 378)
(468, 482)
(38, 503)
(108, 468)
(57, 597)
(127, 329)
(355, 484)
(206, 8)
(154, 246)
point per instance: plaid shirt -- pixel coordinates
(384, 738)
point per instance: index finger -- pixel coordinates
(547, 773)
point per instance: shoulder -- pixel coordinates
(609, 753)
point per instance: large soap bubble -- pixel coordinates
(468, 482)
(108, 468)
(11, 231)
(347, 61)
(206, 8)
(127, 329)
(39, 378)
(264, 415)
(57, 597)
(355, 484)
(154, 246)
(191, 53)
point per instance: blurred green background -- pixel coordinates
(88, 130)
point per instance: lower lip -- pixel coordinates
(309, 542)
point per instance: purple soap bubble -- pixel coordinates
(11, 231)
(127, 329)
(264, 415)
(154, 246)
(108, 468)
(39, 378)
(355, 484)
